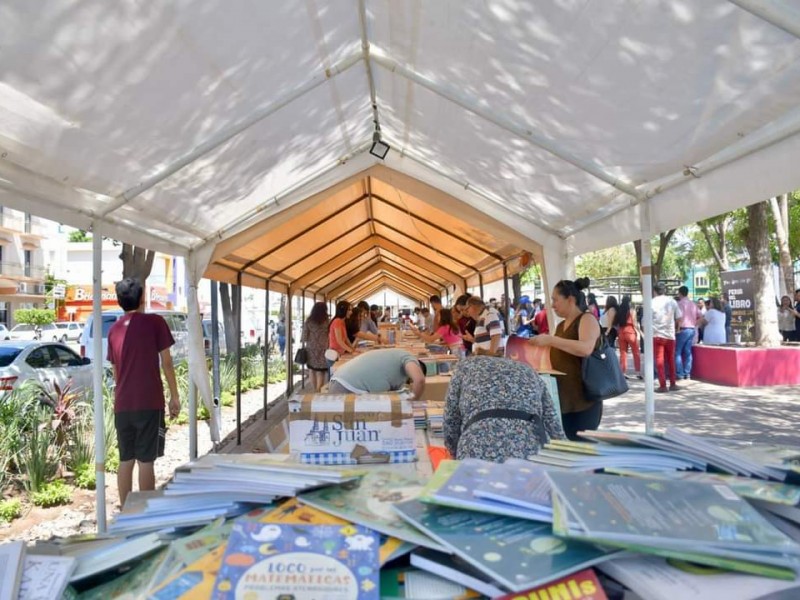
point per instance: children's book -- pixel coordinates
(194, 581)
(292, 512)
(369, 502)
(538, 357)
(657, 578)
(673, 514)
(455, 482)
(12, 561)
(45, 577)
(520, 483)
(582, 585)
(268, 560)
(516, 553)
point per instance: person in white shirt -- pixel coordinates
(488, 336)
(666, 314)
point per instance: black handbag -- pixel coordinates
(301, 356)
(602, 376)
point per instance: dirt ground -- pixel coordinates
(79, 516)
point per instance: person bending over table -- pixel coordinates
(576, 337)
(377, 371)
(497, 408)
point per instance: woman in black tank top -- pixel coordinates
(575, 337)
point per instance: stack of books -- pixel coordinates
(435, 416)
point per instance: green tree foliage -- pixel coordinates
(79, 235)
(619, 261)
(34, 316)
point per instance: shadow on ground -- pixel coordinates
(767, 414)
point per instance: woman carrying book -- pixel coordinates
(575, 338)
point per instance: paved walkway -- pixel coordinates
(767, 414)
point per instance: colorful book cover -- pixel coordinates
(194, 581)
(299, 561)
(516, 553)
(670, 514)
(369, 502)
(293, 512)
(583, 585)
(455, 482)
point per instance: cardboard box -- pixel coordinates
(351, 429)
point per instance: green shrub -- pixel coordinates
(10, 510)
(80, 437)
(85, 476)
(39, 458)
(202, 412)
(52, 494)
(112, 460)
(227, 398)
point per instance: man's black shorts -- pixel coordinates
(140, 434)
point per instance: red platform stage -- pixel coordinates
(746, 367)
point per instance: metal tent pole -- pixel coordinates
(97, 378)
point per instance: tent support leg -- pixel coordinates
(97, 379)
(239, 358)
(647, 323)
(266, 351)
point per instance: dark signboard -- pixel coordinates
(737, 288)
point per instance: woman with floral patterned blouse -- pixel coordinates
(497, 408)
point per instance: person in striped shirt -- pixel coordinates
(488, 336)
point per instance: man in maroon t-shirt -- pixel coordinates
(540, 323)
(136, 343)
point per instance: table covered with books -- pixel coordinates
(621, 515)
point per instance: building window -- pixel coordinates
(700, 281)
(28, 263)
(27, 223)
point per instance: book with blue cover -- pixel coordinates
(455, 484)
(670, 518)
(521, 483)
(516, 553)
(270, 560)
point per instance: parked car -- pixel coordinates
(69, 331)
(24, 331)
(5, 334)
(175, 320)
(44, 362)
(223, 347)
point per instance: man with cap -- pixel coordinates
(379, 371)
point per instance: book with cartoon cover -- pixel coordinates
(369, 502)
(268, 560)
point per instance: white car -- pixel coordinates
(69, 331)
(4, 333)
(24, 331)
(44, 362)
(176, 321)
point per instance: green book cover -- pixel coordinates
(439, 479)
(517, 553)
(679, 515)
(369, 500)
(136, 581)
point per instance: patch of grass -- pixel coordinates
(85, 477)
(54, 493)
(40, 458)
(10, 509)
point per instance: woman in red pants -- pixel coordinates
(625, 322)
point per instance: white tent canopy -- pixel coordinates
(579, 124)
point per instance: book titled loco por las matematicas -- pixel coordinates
(328, 562)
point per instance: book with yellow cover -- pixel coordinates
(195, 581)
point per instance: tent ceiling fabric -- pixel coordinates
(367, 226)
(569, 126)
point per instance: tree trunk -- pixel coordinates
(719, 249)
(780, 212)
(137, 262)
(766, 326)
(230, 303)
(663, 242)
